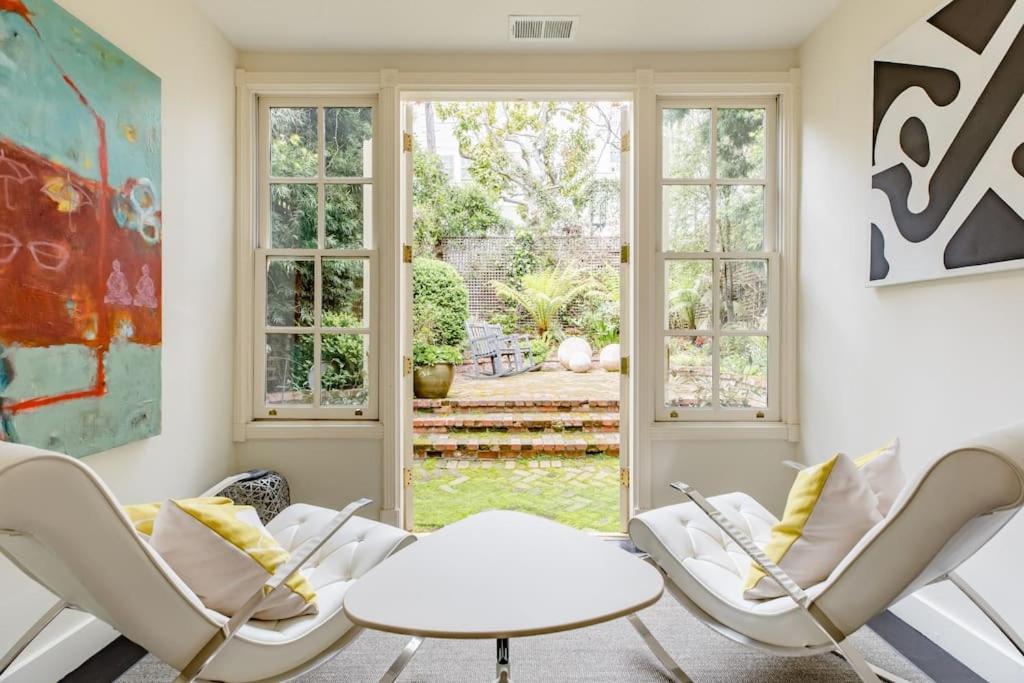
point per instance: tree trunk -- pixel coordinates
(428, 120)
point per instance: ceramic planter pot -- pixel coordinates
(433, 381)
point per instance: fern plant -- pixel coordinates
(544, 295)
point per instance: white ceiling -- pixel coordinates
(482, 25)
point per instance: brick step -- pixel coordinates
(514, 444)
(504, 405)
(433, 423)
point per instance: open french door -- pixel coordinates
(625, 331)
(405, 328)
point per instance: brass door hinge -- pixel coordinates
(406, 142)
(624, 145)
(407, 477)
(406, 366)
(624, 254)
(624, 476)
(406, 253)
(624, 365)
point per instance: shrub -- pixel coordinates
(425, 354)
(540, 350)
(524, 255)
(439, 289)
(342, 357)
(598, 317)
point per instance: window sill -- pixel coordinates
(723, 431)
(312, 429)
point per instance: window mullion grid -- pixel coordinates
(318, 298)
(716, 333)
(716, 322)
(318, 287)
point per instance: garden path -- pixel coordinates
(548, 383)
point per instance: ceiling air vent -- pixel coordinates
(534, 28)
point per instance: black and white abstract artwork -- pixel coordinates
(948, 145)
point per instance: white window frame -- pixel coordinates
(263, 254)
(717, 413)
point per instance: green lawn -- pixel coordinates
(579, 492)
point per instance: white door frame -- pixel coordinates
(405, 411)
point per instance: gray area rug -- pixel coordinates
(611, 652)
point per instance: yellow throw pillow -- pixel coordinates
(224, 554)
(142, 515)
(884, 474)
(829, 509)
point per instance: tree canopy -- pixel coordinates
(541, 157)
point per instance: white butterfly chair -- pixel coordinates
(61, 525)
(940, 519)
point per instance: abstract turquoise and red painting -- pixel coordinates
(80, 235)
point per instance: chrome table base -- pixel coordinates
(503, 667)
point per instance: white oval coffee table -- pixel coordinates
(502, 575)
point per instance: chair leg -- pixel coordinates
(660, 652)
(866, 671)
(989, 611)
(402, 661)
(30, 635)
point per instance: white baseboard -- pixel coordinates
(972, 649)
(73, 638)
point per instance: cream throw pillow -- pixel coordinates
(885, 476)
(830, 507)
(224, 554)
(143, 515)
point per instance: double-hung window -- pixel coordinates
(718, 277)
(316, 261)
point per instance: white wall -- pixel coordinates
(932, 362)
(196, 65)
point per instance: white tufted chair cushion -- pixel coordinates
(360, 545)
(710, 568)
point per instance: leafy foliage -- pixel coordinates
(540, 157)
(343, 364)
(598, 317)
(440, 302)
(545, 295)
(524, 258)
(441, 209)
(293, 154)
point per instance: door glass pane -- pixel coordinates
(343, 370)
(349, 142)
(686, 215)
(744, 372)
(686, 143)
(289, 365)
(740, 217)
(344, 293)
(743, 286)
(688, 299)
(688, 382)
(741, 143)
(290, 293)
(348, 210)
(293, 143)
(293, 213)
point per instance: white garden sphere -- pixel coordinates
(570, 347)
(579, 362)
(610, 356)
